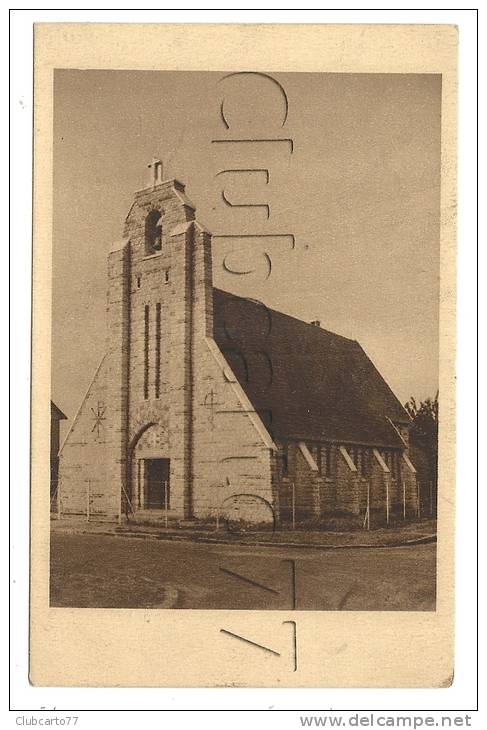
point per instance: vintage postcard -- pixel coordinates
(244, 346)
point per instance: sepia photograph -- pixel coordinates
(245, 398)
(245, 351)
(243, 356)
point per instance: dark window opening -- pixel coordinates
(361, 459)
(285, 459)
(391, 461)
(153, 233)
(324, 460)
(368, 463)
(315, 452)
(157, 492)
(395, 465)
(363, 464)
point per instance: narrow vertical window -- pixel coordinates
(353, 454)
(146, 351)
(285, 459)
(394, 464)
(327, 455)
(365, 463)
(359, 463)
(318, 459)
(158, 349)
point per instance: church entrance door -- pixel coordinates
(157, 481)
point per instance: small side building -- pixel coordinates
(56, 417)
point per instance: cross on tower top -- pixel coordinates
(155, 167)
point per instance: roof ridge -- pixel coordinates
(289, 316)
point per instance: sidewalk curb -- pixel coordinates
(424, 540)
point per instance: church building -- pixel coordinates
(209, 406)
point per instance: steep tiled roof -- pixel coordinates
(306, 383)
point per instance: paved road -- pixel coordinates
(118, 572)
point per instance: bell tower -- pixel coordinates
(159, 306)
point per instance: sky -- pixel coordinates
(359, 192)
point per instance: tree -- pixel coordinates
(423, 438)
(424, 417)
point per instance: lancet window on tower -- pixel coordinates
(153, 232)
(158, 350)
(146, 351)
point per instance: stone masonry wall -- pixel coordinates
(231, 460)
(231, 450)
(118, 320)
(160, 396)
(347, 486)
(409, 483)
(167, 393)
(82, 460)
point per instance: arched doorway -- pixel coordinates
(149, 469)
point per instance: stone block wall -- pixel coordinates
(378, 480)
(232, 474)
(347, 486)
(409, 481)
(285, 479)
(118, 321)
(83, 473)
(160, 337)
(230, 447)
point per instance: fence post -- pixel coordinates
(404, 499)
(58, 500)
(165, 504)
(368, 505)
(387, 499)
(418, 499)
(293, 504)
(88, 500)
(120, 505)
(431, 498)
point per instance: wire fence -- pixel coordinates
(83, 498)
(88, 498)
(399, 502)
